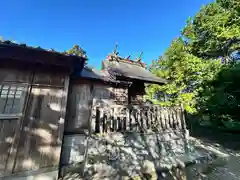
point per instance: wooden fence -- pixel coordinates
(122, 118)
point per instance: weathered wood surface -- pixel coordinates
(56, 79)
(8, 130)
(10, 75)
(10, 127)
(78, 108)
(32, 140)
(39, 145)
(137, 118)
(120, 95)
(82, 101)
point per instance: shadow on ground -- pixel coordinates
(217, 138)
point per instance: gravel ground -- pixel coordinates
(227, 143)
(228, 171)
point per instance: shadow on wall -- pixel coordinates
(79, 105)
(117, 156)
(77, 121)
(38, 144)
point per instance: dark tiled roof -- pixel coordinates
(131, 70)
(96, 74)
(31, 55)
(100, 75)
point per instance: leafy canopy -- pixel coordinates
(77, 50)
(197, 63)
(215, 30)
(221, 98)
(186, 74)
(215, 33)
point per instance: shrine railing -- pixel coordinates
(122, 118)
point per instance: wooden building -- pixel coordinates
(33, 94)
(120, 82)
(110, 101)
(52, 110)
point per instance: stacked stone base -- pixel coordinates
(129, 154)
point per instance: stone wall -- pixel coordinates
(126, 154)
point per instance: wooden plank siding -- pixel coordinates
(39, 144)
(83, 97)
(10, 127)
(32, 140)
(8, 130)
(78, 108)
(81, 102)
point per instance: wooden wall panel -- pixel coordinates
(120, 95)
(14, 75)
(49, 79)
(78, 108)
(10, 127)
(103, 95)
(80, 103)
(39, 144)
(32, 141)
(8, 130)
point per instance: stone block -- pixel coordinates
(74, 149)
(148, 167)
(132, 151)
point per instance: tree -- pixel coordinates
(186, 74)
(222, 97)
(192, 61)
(214, 31)
(78, 51)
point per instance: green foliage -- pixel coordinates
(213, 27)
(77, 50)
(186, 74)
(221, 98)
(192, 62)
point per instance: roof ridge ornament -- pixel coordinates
(128, 58)
(115, 52)
(139, 59)
(114, 55)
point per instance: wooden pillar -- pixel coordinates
(129, 95)
(104, 122)
(97, 123)
(184, 130)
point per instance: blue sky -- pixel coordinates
(96, 25)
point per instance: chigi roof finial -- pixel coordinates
(115, 52)
(140, 57)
